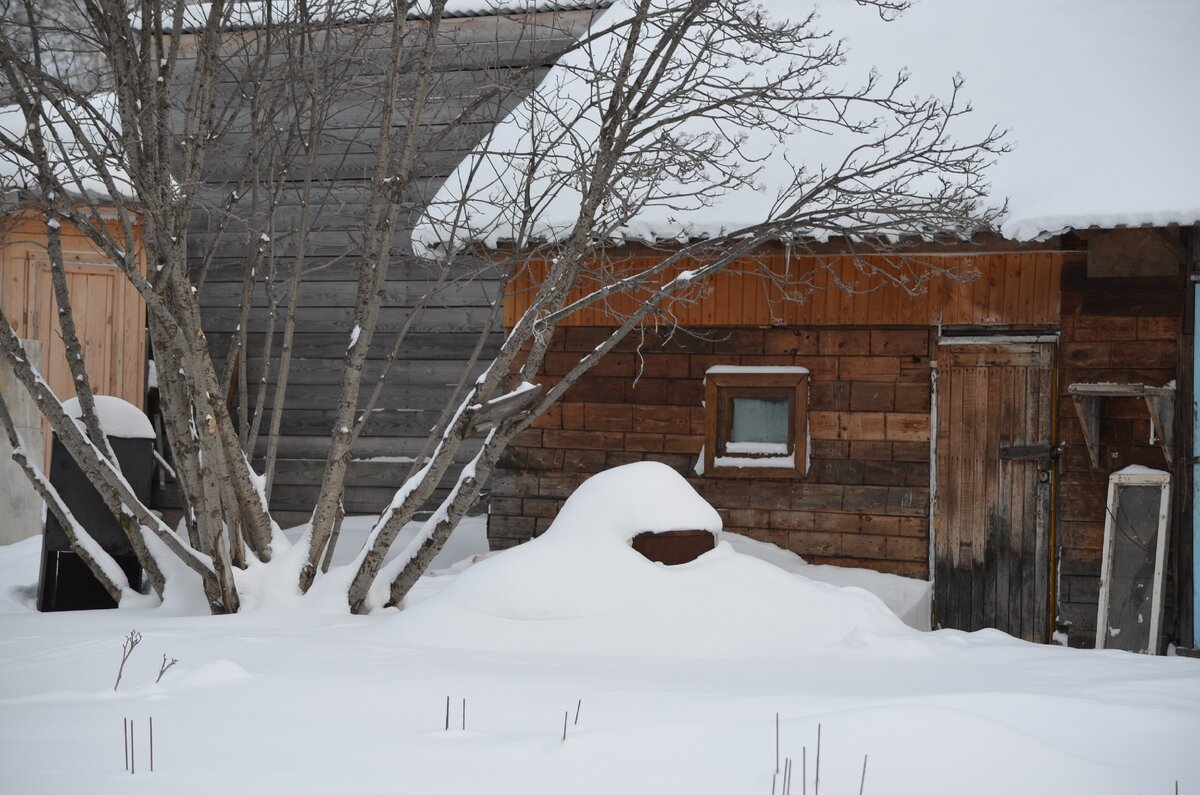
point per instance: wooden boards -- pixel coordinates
(991, 532)
(1009, 288)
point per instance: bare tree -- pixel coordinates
(650, 111)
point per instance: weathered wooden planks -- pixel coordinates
(992, 520)
(474, 57)
(1012, 288)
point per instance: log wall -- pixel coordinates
(1121, 330)
(866, 499)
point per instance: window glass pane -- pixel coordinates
(760, 420)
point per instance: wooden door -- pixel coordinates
(109, 320)
(991, 532)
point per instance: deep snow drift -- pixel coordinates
(676, 675)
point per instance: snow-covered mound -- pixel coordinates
(582, 587)
(911, 600)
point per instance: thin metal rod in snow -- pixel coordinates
(773, 777)
(787, 776)
(152, 745)
(578, 706)
(776, 742)
(464, 714)
(132, 749)
(817, 777)
(804, 770)
(863, 781)
(125, 739)
(447, 713)
(566, 717)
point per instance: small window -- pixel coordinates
(756, 421)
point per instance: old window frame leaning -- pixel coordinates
(725, 383)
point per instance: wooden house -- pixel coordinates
(965, 433)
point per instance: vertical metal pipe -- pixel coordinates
(1195, 465)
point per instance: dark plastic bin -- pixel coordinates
(65, 582)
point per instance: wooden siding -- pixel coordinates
(1015, 288)
(1119, 330)
(865, 500)
(109, 313)
(473, 55)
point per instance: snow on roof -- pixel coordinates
(71, 162)
(253, 13)
(1098, 97)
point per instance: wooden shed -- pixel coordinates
(965, 432)
(930, 435)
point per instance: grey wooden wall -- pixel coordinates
(474, 54)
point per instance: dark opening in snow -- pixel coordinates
(673, 547)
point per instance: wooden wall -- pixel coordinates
(1121, 330)
(109, 314)
(866, 498)
(931, 288)
(473, 54)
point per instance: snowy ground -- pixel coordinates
(680, 673)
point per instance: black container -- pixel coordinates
(65, 582)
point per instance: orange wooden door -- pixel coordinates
(991, 532)
(110, 344)
(109, 320)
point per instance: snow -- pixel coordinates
(118, 417)
(73, 166)
(1137, 470)
(677, 674)
(1119, 152)
(735, 369)
(765, 461)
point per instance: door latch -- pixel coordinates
(1031, 452)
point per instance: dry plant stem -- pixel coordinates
(862, 783)
(152, 746)
(566, 717)
(447, 728)
(125, 739)
(166, 666)
(578, 706)
(130, 643)
(132, 749)
(464, 714)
